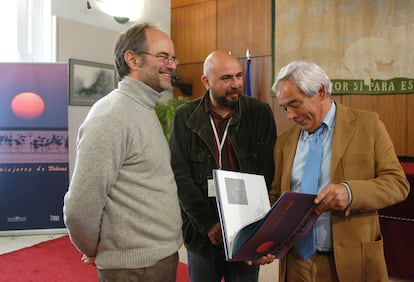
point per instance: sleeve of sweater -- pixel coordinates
(101, 147)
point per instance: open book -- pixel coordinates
(250, 227)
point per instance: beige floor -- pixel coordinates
(9, 243)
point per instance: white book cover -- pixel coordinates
(242, 199)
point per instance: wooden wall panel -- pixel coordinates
(261, 72)
(338, 98)
(181, 3)
(193, 30)
(410, 125)
(245, 24)
(393, 114)
(363, 102)
(191, 73)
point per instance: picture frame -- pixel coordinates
(89, 81)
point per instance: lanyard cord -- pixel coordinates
(220, 145)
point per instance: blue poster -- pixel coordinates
(34, 170)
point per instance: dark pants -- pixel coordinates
(212, 267)
(163, 271)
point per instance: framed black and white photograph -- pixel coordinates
(89, 81)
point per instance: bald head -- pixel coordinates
(216, 59)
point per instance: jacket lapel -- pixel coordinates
(343, 132)
(288, 156)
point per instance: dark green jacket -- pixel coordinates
(252, 132)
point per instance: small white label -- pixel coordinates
(211, 188)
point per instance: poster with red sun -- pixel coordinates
(34, 173)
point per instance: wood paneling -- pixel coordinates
(193, 30)
(410, 125)
(191, 73)
(392, 112)
(245, 24)
(363, 102)
(181, 3)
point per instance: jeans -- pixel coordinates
(212, 267)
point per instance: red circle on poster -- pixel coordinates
(27, 105)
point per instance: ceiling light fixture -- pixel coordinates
(121, 20)
(122, 11)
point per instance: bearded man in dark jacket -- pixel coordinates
(227, 130)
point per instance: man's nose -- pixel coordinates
(290, 113)
(236, 82)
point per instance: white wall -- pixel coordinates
(90, 35)
(156, 11)
(85, 42)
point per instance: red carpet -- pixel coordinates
(56, 260)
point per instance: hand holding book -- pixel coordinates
(215, 234)
(251, 228)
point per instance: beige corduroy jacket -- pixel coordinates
(362, 155)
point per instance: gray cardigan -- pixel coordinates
(122, 204)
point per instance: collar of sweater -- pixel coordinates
(139, 92)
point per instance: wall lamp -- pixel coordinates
(122, 11)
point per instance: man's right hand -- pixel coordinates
(215, 234)
(87, 260)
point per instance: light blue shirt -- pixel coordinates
(323, 235)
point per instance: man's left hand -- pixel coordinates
(263, 260)
(332, 197)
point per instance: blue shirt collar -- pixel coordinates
(329, 120)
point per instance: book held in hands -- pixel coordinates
(251, 227)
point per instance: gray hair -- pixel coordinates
(307, 76)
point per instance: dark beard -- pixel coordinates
(223, 101)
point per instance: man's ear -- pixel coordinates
(204, 80)
(322, 92)
(132, 59)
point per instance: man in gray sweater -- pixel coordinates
(121, 209)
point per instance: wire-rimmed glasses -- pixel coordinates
(164, 57)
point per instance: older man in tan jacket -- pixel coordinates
(360, 174)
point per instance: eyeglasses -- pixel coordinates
(164, 57)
